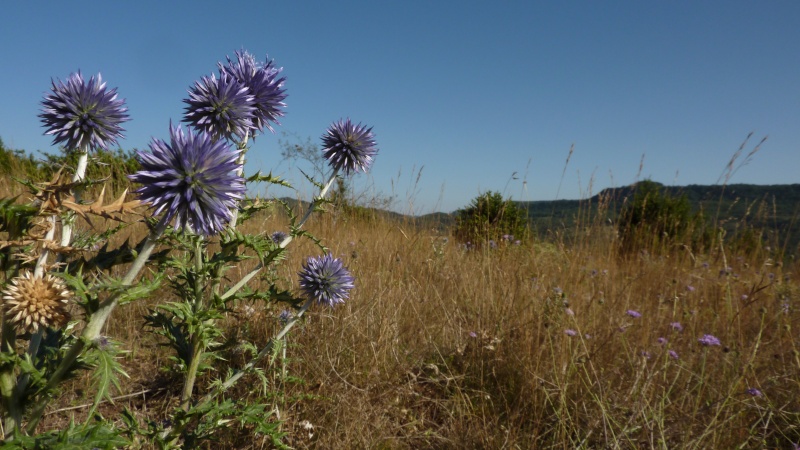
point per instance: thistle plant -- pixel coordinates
(192, 194)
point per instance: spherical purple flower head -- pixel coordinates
(193, 179)
(709, 340)
(80, 114)
(222, 107)
(326, 280)
(264, 84)
(278, 237)
(349, 147)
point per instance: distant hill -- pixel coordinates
(775, 208)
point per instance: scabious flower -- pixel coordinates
(676, 326)
(708, 340)
(348, 147)
(662, 341)
(222, 107)
(79, 114)
(754, 392)
(673, 354)
(192, 179)
(264, 85)
(326, 280)
(570, 332)
(633, 313)
(31, 302)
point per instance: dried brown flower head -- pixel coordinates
(31, 302)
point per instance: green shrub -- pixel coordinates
(657, 220)
(490, 217)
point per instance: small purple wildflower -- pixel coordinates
(676, 326)
(473, 334)
(744, 297)
(709, 340)
(587, 336)
(673, 354)
(661, 341)
(570, 332)
(633, 313)
(558, 291)
(754, 392)
(492, 243)
(690, 288)
(645, 354)
(569, 312)
(518, 242)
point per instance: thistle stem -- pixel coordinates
(95, 324)
(239, 172)
(196, 337)
(80, 175)
(322, 193)
(247, 367)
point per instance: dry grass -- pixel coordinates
(444, 348)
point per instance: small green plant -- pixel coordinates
(489, 217)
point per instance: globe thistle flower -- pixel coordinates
(285, 316)
(709, 340)
(220, 106)
(83, 115)
(192, 179)
(349, 147)
(32, 303)
(278, 237)
(264, 85)
(326, 280)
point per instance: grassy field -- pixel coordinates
(559, 343)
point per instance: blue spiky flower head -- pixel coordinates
(348, 147)
(193, 179)
(264, 84)
(326, 280)
(222, 107)
(83, 115)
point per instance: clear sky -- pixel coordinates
(467, 92)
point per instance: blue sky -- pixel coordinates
(467, 92)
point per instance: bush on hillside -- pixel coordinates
(490, 217)
(655, 219)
